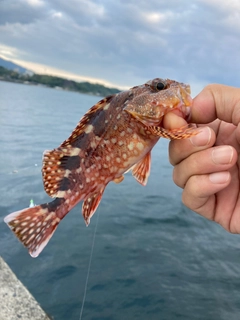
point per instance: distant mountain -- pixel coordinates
(31, 78)
(12, 66)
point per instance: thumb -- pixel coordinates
(217, 101)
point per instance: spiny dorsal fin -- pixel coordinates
(54, 169)
(141, 170)
(90, 204)
(81, 126)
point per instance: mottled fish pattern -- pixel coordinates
(116, 135)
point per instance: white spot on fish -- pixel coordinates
(106, 106)
(113, 140)
(61, 194)
(140, 146)
(88, 128)
(135, 152)
(131, 146)
(93, 144)
(24, 230)
(75, 151)
(67, 173)
(122, 134)
(79, 170)
(28, 240)
(23, 224)
(38, 238)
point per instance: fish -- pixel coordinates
(115, 136)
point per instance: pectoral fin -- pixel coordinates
(178, 133)
(141, 170)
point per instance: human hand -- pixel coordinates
(207, 165)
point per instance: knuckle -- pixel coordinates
(176, 177)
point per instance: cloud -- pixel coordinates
(128, 42)
(35, 3)
(21, 11)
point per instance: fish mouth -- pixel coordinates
(183, 111)
(183, 106)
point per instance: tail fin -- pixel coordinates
(35, 226)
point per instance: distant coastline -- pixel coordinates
(55, 82)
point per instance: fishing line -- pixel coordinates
(89, 267)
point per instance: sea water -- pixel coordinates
(152, 257)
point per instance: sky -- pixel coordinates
(123, 43)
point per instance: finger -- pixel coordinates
(216, 101)
(173, 120)
(181, 149)
(211, 160)
(199, 192)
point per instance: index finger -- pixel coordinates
(216, 101)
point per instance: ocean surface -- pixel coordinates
(152, 258)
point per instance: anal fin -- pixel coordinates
(90, 204)
(141, 170)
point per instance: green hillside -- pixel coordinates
(56, 82)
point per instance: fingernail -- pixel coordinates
(219, 177)
(202, 138)
(222, 155)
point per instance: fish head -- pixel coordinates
(150, 102)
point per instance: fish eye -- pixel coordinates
(160, 86)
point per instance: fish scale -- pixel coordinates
(116, 135)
